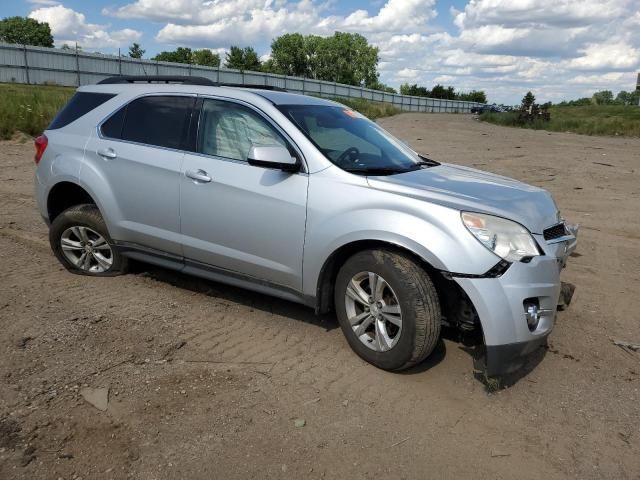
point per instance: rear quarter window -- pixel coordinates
(79, 105)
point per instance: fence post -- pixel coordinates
(77, 64)
(26, 64)
(119, 63)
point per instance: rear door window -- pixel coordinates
(161, 121)
(80, 104)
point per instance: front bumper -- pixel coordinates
(504, 359)
(501, 305)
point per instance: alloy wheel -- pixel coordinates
(373, 311)
(86, 249)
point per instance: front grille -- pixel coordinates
(554, 232)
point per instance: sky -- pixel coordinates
(559, 49)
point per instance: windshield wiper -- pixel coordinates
(426, 162)
(376, 170)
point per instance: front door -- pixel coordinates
(238, 217)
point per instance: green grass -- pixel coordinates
(613, 120)
(29, 108)
(368, 108)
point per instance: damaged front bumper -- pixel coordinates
(517, 310)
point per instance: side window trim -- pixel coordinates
(257, 111)
(184, 141)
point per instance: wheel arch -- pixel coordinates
(66, 194)
(329, 270)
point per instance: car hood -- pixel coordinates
(465, 188)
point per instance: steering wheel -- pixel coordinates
(352, 153)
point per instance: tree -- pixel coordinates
(382, 87)
(603, 97)
(580, 102)
(289, 55)
(440, 91)
(135, 51)
(354, 61)
(205, 57)
(473, 96)
(628, 98)
(242, 59)
(344, 58)
(25, 31)
(180, 55)
(75, 47)
(414, 90)
(527, 101)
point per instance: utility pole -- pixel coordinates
(638, 88)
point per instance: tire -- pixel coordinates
(413, 331)
(82, 230)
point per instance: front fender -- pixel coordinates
(340, 213)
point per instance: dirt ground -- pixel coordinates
(208, 381)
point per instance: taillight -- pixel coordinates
(41, 143)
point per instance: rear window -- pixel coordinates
(157, 120)
(80, 104)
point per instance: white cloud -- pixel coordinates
(619, 55)
(560, 13)
(602, 80)
(247, 21)
(408, 73)
(506, 47)
(69, 26)
(513, 45)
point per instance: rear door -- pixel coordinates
(138, 152)
(235, 216)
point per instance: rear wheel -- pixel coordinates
(388, 308)
(81, 242)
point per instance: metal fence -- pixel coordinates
(40, 65)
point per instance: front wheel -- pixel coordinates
(388, 308)
(80, 241)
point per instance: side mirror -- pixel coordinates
(272, 156)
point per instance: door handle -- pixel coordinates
(198, 176)
(107, 153)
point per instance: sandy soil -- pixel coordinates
(207, 381)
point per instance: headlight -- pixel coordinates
(505, 238)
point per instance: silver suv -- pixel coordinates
(307, 200)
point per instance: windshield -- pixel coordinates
(352, 142)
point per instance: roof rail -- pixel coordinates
(158, 78)
(250, 85)
(184, 79)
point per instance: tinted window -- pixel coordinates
(229, 130)
(80, 104)
(158, 120)
(112, 128)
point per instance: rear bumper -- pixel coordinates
(39, 189)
